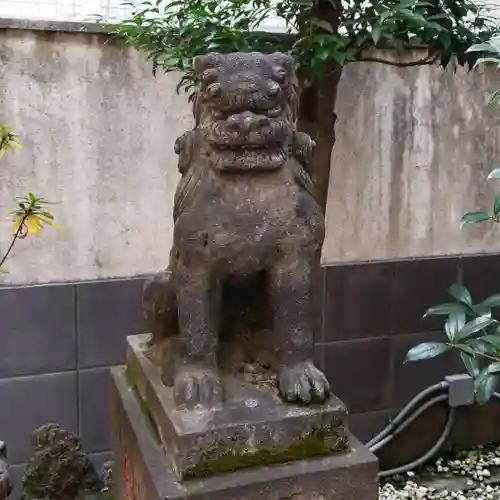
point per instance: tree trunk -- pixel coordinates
(317, 118)
(317, 106)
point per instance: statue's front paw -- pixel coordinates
(197, 386)
(303, 383)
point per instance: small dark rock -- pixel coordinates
(59, 469)
(106, 474)
(5, 484)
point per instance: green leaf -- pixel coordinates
(494, 174)
(481, 346)
(480, 47)
(496, 205)
(485, 386)
(426, 350)
(376, 34)
(460, 293)
(493, 367)
(492, 301)
(474, 217)
(486, 60)
(321, 23)
(445, 309)
(470, 362)
(481, 310)
(454, 324)
(474, 326)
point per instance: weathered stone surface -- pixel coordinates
(247, 227)
(251, 427)
(141, 472)
(59, 469)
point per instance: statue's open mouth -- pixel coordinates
(254, 145)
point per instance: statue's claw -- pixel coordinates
(195, 385)
(303, 383)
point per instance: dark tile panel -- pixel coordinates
(357, 303)
(38, 330)
(419, 284)
(107, 311)
(319, 306)
(16, 475)
(367, 425)
(481, 275)
(29, 402)
(475, 425)
(93, 409)
(359, 373)
(416, 439)
(413, 377)
(319, 356)
(99, 459)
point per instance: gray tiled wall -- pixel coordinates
(58, 342)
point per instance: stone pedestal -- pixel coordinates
(252, 446)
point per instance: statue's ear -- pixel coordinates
(201, 63)
(284, 61)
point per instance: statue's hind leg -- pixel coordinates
(292, 301)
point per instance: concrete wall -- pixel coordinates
(414, 146)
(413, 149)
(98, 132)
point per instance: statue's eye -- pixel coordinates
(209, 76)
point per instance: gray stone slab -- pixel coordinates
(252, 424)
(93, 392)
(16, 475)
(141, 470)
(38, 330)
(107, 311)
(29, 402)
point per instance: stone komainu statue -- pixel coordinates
(244, 213)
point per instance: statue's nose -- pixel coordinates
(246, 122)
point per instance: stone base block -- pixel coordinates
(141, 471)
(252, 426)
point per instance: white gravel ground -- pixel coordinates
(474, 474)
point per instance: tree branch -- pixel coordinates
(399, 64)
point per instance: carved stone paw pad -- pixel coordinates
(197, 386)
(303, 383)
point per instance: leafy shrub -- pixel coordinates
(470, 327)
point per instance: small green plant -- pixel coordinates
(8, 140)
(490, 50)
(470, 327)
(32, 214)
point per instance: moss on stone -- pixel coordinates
(142, 403)
(326, 440)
